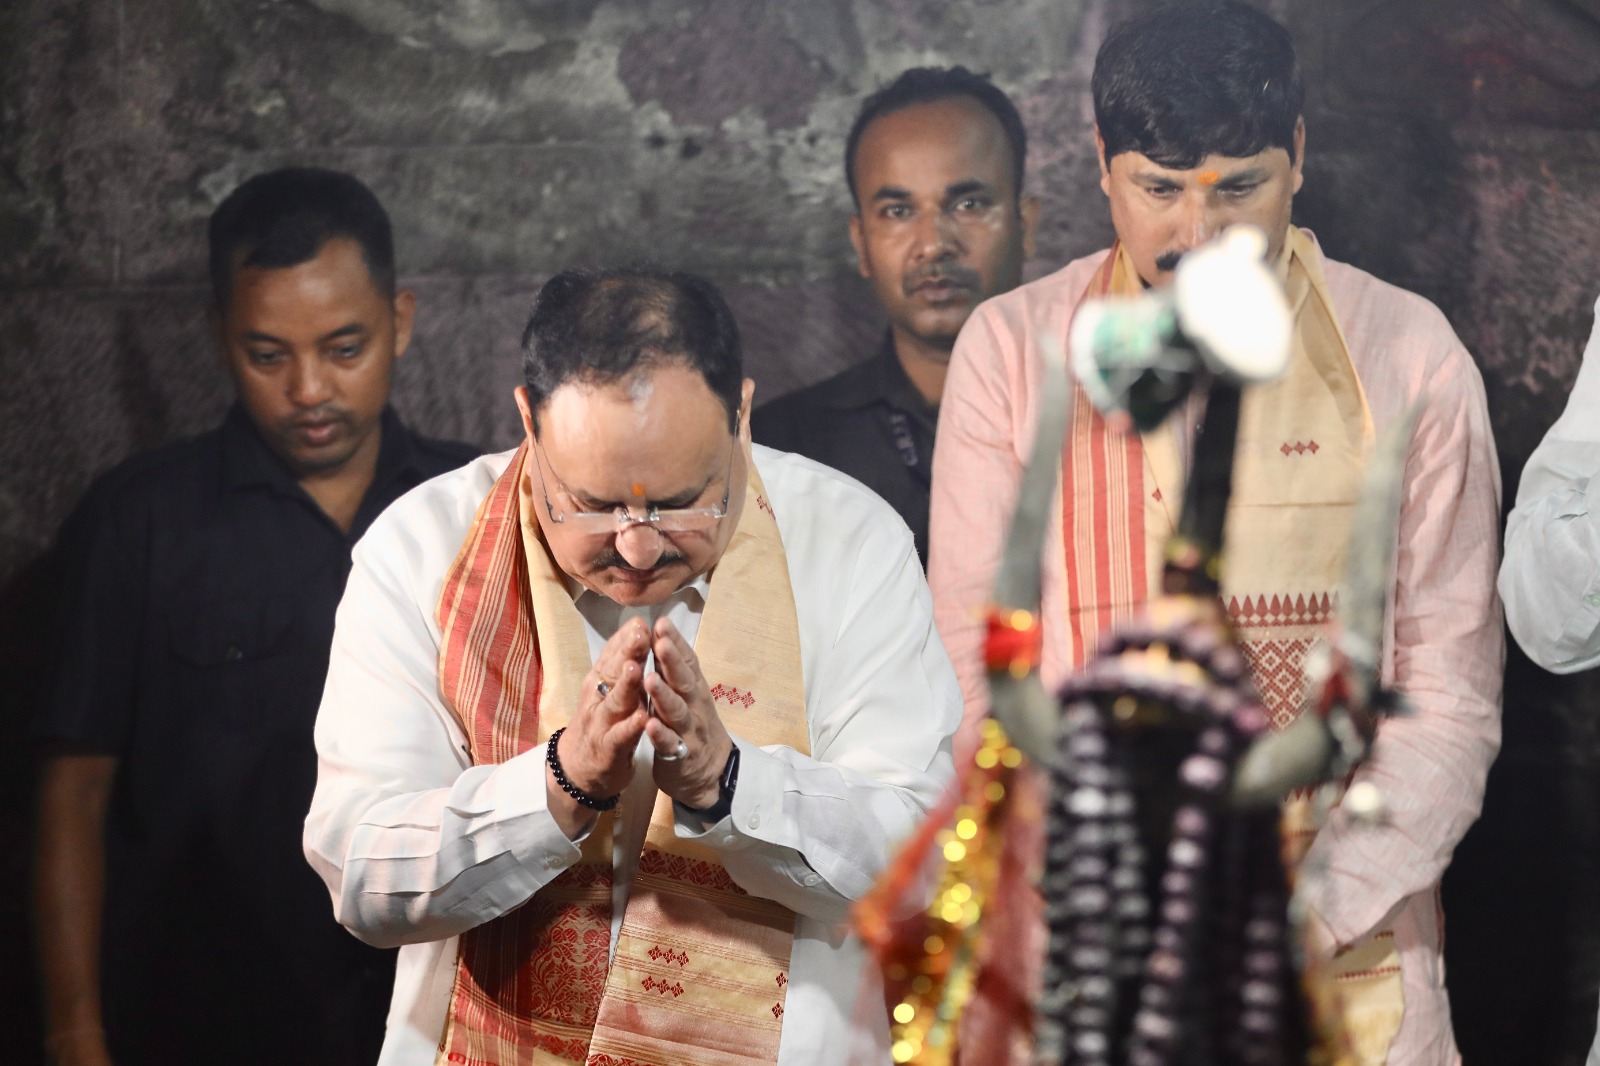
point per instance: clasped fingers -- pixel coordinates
(691, 743)
(675, 659)
(596, 751)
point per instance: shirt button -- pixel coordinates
(551, 862)
(755, 821)
(1594, 599)
(812, 880)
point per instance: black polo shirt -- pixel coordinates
(870, 422)
(199, 589)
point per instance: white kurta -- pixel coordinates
(1550, 579)
(417, 845)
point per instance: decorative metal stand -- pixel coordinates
(1151, 732)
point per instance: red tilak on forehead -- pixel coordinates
(638, 489)
(1209, 177)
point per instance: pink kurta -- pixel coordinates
(1444, 645)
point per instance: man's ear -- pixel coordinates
(1299, 162)
(1029, 210)
(405, 309)
(526, 410)
(858, 238)
(1105, 164)
(747, 392)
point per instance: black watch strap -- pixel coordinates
(724, 805)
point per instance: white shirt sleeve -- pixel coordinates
(813, 832)
(415, 843)
(1550, 577)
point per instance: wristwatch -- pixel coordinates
(724, 806)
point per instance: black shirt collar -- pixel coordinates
(882, 380)
(247, 461)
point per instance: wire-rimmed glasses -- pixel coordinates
(618, 520)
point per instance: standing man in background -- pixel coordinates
(1198, 125)
(935, 163)
(177, 922)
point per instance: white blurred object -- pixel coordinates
(1225, 313)
(1364, 803)
(1232, 306)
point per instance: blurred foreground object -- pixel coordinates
(1165, 888)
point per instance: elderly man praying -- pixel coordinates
(620, 723)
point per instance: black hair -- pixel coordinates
(926, 85)
(283, 218)
(601, 325)
(1196, 78)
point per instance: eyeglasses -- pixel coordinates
(618, 520)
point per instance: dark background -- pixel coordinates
(1454, 149)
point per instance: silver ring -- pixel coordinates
(603, 689)
(683, 749)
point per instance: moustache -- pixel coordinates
(1167, 262)
(954, 273)
(611, 557)
(317, 416)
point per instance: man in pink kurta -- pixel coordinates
(1171, 189)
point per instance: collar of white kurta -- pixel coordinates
(700, 967)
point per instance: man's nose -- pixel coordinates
(938, 236)
(309, 383)
(1200, 223)
(640, 544)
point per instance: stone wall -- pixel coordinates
(1454, 149)
(509, 140)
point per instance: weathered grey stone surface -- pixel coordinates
(508, 139)
(1454, 150)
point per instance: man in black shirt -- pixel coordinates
(935, 163)
(178, 922)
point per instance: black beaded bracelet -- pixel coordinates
(568, 787)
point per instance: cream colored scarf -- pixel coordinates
(701, 967)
